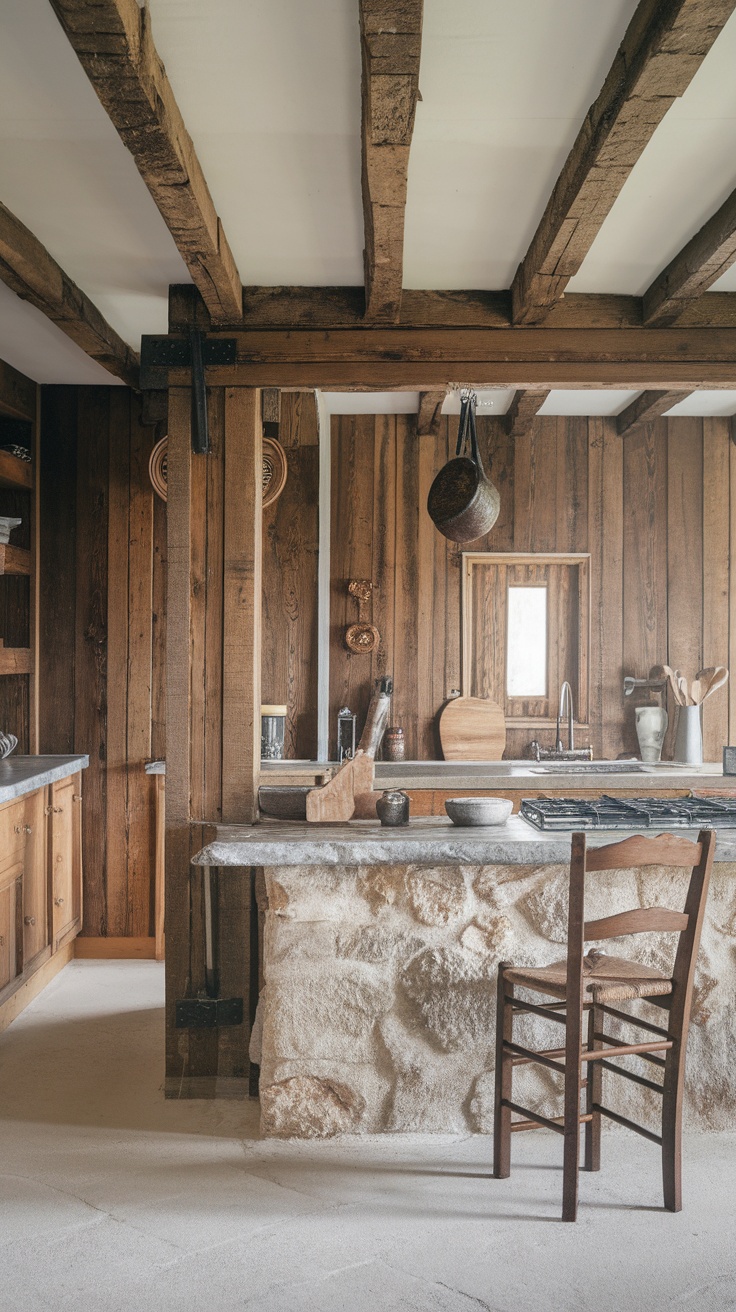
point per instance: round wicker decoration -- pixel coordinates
(275, 470)
(157, 468)
(362, 638)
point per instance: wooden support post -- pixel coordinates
(241, 690)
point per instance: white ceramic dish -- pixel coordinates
(478, 810)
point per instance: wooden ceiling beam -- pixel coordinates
(429, 414)
(342, 307)
(645, 409)
(522, 412)
(428, 359)
(112, 39)
(391, 38)
(34, 275)
(694, 269)
(662, 49)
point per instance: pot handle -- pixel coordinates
(467, 429)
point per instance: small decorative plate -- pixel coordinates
(158, 468)
(275, 470)
(362, 638)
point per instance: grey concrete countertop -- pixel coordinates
(506, 776)
(24, 774)
(434, 841)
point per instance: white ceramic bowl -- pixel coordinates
(478, 810)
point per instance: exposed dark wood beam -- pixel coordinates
(429, 414)
(428, 359)
(645, 409)
(391, 38)
(34, 275)
(342, 307)
(664, 45)
(523, 411)
(113, 41)
(694, 269)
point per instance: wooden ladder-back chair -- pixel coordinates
(592, 983)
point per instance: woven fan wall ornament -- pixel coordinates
(275, 470)
(158, 468)
(361, 638)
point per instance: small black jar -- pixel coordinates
(392, 807)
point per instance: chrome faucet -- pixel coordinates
(560, 712)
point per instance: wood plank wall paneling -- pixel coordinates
(656, 510)
(102, 578)
(290, 551)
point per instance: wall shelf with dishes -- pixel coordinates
(18, 522)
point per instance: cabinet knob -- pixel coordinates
(2, 940)
(23, 829)
(76, 797)
(29, 920)
(54, 810)
(58, 901)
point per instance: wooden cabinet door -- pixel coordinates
(65, 891)
(11, 893)
(35, 877)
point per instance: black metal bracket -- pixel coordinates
(208, 1013)
(160, 354)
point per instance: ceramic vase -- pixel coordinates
(651, 727)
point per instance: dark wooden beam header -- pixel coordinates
(429, 359)
(663, 48)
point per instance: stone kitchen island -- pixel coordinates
(380, 950)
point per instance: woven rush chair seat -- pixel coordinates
(585, 991)
(607, 978)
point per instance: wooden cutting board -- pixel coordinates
(472, 729)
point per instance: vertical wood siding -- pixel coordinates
(102, 580)
(656, 511)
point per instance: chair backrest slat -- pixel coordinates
(662, 850)
(641, 920)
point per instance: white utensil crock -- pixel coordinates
(689, 738)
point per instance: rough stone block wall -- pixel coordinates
(378, 1007)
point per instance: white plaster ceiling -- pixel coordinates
(683, 175)
(270, 92)
(32, 343)
(65, 173)
(504, 88)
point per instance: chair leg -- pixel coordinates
(593, 1094)
(672, 1129)
(571, 1156)
(504, 1074)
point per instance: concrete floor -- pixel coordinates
(113, 1200)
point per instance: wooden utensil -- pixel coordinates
(472, 729)
(684, 695)
(666, 672)
(711, 679)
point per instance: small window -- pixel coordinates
(525, 629)
(526, 647)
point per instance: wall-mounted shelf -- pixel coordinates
(15, 660)
(14, 560)
(15, 472)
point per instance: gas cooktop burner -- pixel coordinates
(630, 813)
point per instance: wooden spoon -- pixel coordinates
(682, 692)
(711, 679)
(697, 691)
